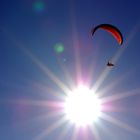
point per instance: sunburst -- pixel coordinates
(56, 107)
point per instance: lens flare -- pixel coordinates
(59, 48)
(39, 6)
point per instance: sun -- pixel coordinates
(82, 107)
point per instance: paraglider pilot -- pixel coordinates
(109, 64)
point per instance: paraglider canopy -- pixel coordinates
(115, 32)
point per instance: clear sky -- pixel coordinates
(43, 42)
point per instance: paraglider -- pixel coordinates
(114, 31)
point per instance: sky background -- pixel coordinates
(29, 64)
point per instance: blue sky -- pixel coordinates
(28, 35)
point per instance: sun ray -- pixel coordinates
(120, 123)
(121, 95)
(84, 133)
(114, 83)
(40, 65)
(56, 125)
(91, 69)
(44, 117)
(45, 89)
(40, 119)
(101, 78)
(130, 37)
(51, 128)
(95, 133)
(55, 107)
(75, 42)
(67, 75)
(48, 72)
(64, 132)
(75, 134)
(106, 129)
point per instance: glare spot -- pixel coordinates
(39, 6)
(59, 48)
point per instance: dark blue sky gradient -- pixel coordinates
(24, 30)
